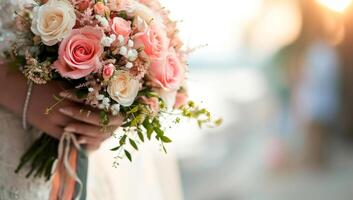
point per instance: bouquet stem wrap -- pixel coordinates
(69, 179)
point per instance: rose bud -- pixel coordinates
(108, 71)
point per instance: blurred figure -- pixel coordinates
(345, 49)
(309, 67)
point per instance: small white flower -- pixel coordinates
(106, 41)
(90, 89)
(106, 100)
(129, 65)
(112, 36)
(123, 51)
(121, 39)
(115, 109)
(130, 43)
(102, 20)
(132, 54)
(100, 97)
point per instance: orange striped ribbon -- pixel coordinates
(64, 177)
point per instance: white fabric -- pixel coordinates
(13, 143)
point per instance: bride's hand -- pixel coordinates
(87, 124)
(14, 88)
(51, 121)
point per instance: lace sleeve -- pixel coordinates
(8, 10)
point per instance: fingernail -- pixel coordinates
(66, 111)
(70, 129)
(64, 94)
(82, 141)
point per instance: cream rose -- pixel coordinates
(123, 88)
(53, 21)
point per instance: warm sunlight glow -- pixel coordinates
(335, 5)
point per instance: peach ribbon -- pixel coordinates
(64, 176)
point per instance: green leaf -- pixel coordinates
(104, 118)
(139, 133)
(122, 140)
(137, 120)
(218, 122)
(165, 139)
(56, 98)
(115, 149)
(128, 155)
(149, 132)
(133, 110)
(133, 144)
(146, 123)
(159, 131)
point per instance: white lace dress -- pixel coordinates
(14, 141)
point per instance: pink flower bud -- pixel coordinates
(108, 71)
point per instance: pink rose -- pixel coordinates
(100, 8)
(154, 41)
(152, 103)
(108, 71)
(180, 100)
(79, 53)
(121, 27)
(83, 4)
(167, 72)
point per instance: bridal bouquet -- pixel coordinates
(123, 57)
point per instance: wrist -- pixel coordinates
(13, 86)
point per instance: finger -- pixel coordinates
(91, 130)
(90, 117)
(55, 131)
(89, 140)
(91, 147)
(70, 95)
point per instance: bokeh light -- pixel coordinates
(335, 5)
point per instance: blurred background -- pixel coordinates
(280, 74)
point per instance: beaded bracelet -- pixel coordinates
(25, 106)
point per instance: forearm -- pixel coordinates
(13, 86)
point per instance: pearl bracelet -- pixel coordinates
(25, 106)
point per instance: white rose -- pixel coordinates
(123, 88)
(53, 21)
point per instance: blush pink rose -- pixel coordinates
(167, 72)
(100, 9)
(79, 53)
(121, 27)
(154, 41)
(180, 100)
(108, 71)
(152, 103)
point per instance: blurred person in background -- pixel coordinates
(345, 49)
(308, 70)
